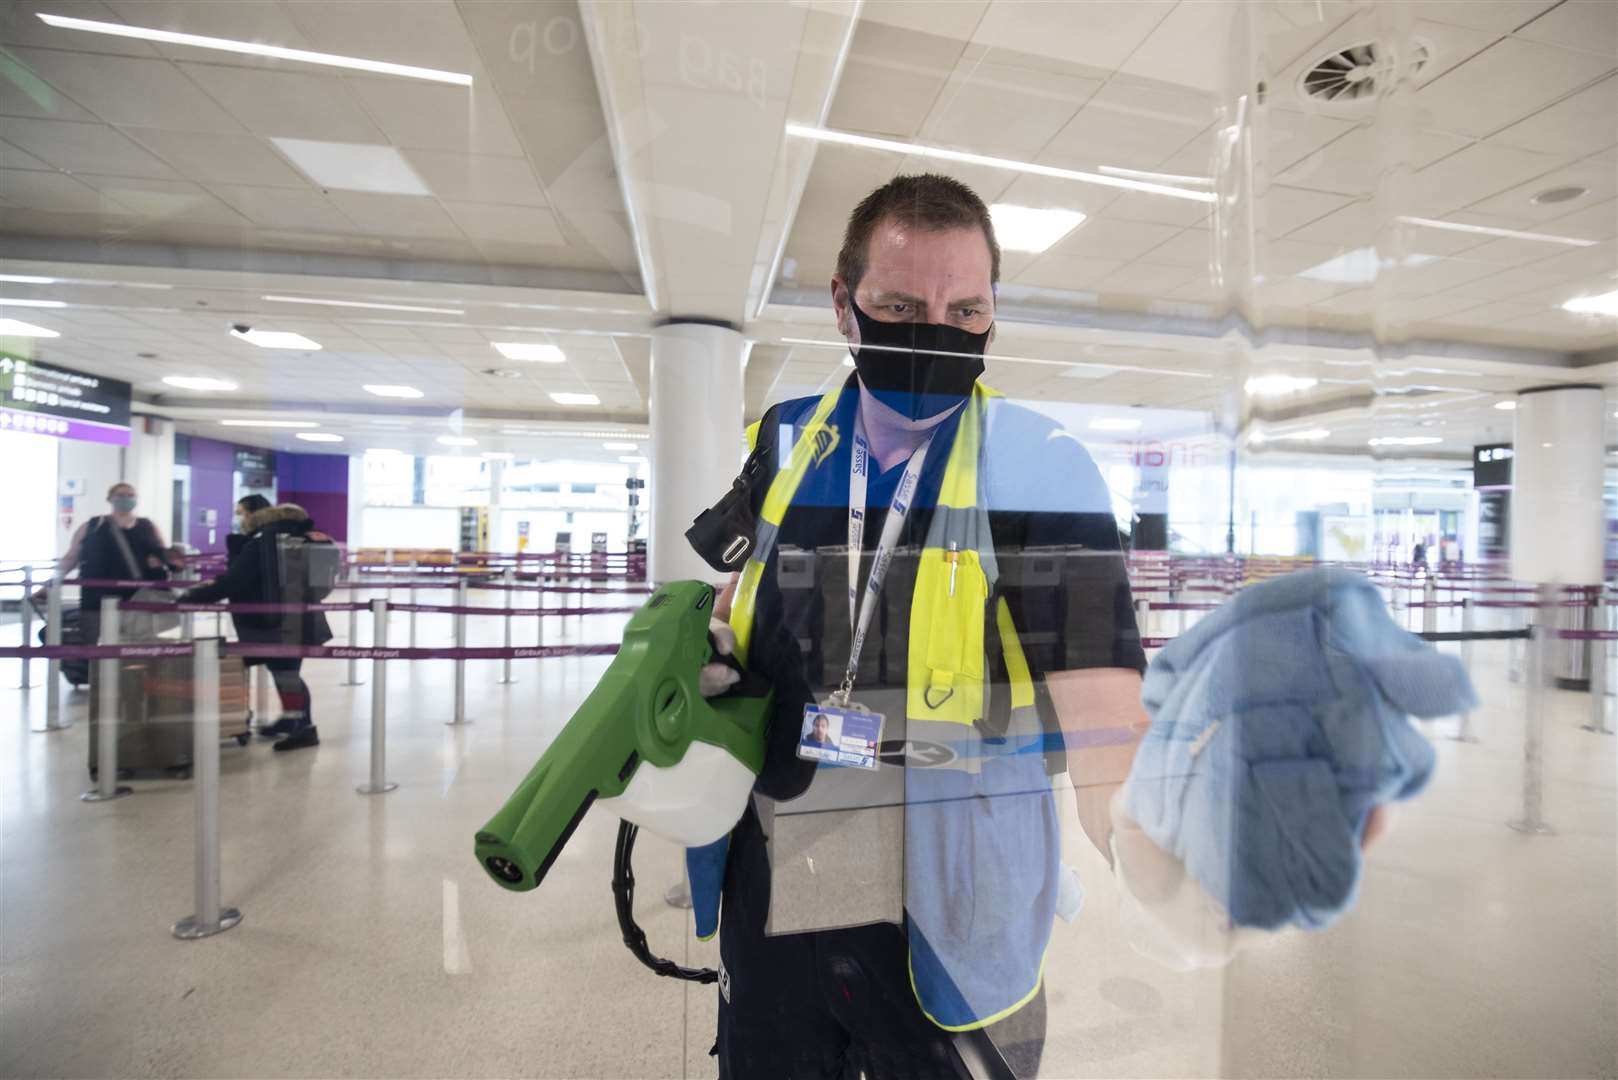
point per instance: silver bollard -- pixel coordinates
(210, 918)
(1143, 617)
(378, 784)
(53, 666)
(460, 665)
(353, 677)
(505, 664)
(26, 610)
(261, 695)
(1429, 612)
(1598, 669)
(107, 786)
(415, 570)
(1464, 732)
(1539, 649)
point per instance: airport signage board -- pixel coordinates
(44, 399)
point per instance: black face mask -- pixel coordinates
(917, 369)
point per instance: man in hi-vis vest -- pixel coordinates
(932, 580)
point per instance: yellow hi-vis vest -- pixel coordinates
(946, 673)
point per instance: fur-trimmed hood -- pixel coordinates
(272, 514)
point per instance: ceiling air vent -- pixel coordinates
(1349, 78)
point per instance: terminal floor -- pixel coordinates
(372, 946)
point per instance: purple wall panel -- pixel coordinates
(213, 465)
(319, 484)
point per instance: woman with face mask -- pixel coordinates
(115, 546)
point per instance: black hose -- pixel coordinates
(623, 895)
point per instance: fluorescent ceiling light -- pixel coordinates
(525, 350)
(276, 339)
(27, 279)
(319, 436)
(1357, 267)
(619, 446)
(269, 423)
(456, 440)
(1485, 230)
(198, 382)
(1114, 423)
(1155, 177)
(1505, 406)
(1604, 304)
(1278, 384)
(353, 166)
(360, 304)
(820, 134)
(18, 328)
(563, 397)
(381, 390)
(17, 301)
(1404, 440)
(632, 459)
(1029, 228)
(253, 48)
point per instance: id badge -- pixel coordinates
(840, 736)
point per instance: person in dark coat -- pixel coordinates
(114, 546)
(252, 577)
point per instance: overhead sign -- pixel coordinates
(1491, 465)
(48, 400)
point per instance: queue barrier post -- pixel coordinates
(210, 917)
(1541, 634)
(1468, 618)
(107, 787)
(415, 570)
(460, 665)
(505, 664)
(1429, 611)
(378, 783)
(353, 676)
(53, 666)
(1143, 617)
(1598, 668)
(26, 610)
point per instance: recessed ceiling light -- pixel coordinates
(1114, 423)
(563, 397)
(1278, 384)
(1487, 230)
(1030, 228)
(535, 353)
(319, 436)
(362, 304)
(269, 423)
(847, 138)
(18, 328)
(1356, 267)
(1404, 440)
(1505, 406)
(18, 301)
(253, 48)
(1604, 304)
(1562, 194)
(353, 166)
(503, 372)
(276, 339)
(632, 459)
(381, 390)
(619, 446)
(456, 440)
(27, 279)
(198, 382)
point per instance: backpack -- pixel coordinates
(308, 568)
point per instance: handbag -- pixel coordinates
(141, 625)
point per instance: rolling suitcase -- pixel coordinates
(155, 714)
(75, 671)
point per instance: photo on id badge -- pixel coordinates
(833, 736)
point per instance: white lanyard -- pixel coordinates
(860, 609)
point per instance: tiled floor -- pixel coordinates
(1475, 951)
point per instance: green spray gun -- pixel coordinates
(645, 745)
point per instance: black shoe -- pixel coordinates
(286, 725)
(308, 735)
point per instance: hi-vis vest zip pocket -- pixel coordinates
(946, 637)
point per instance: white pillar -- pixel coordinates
(696, 443)
(1556, 508)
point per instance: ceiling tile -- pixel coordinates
(1294, 135)
(1068, 273)
(14, 157)
(238, 20)
(291, 104)
(211, 157)
(1477, 172)
(1587, 25)
(83, 148)
(1190, 47)
(1011, 112)
(892, 79)
(1148, 278)
(1097, 34)
(283, 208)
(475, 178)
(516, 224)
(567, 143)
(1131, 123)
(1571, 126)
(1352, 164)
(1506, 82)
(1192, 247)
(52, 191)
(956, 20)
(125, 90)
(1121, 241)
(1600, 181)
(1145, 206)
(176, 199)
(396, 215)
(1286, 208)
(1046, 192)
(435, 116)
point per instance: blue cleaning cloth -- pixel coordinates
(1278, 723)
(705, 872)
